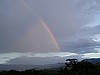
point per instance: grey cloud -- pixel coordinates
(79, 46)
(90, 31)
(16, 20)
(20, 30)
(60, 17)
(6, 57)
(89, 6)
(14, 23)
(36, 60)
(40, 61)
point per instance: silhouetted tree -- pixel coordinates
(70, 63)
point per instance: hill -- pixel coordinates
(25, 67)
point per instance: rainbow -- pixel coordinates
(43, 23)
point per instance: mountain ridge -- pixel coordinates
(21, 67)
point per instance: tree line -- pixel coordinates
(73, 67)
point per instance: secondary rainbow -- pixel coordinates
(43, 23)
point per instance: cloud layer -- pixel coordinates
(74, 23)
(34, 58)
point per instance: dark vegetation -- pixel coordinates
(73, 67)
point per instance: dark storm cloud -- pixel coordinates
(82, 41)
(81, 46)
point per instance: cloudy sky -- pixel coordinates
(48, 31)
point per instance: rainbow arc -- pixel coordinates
(43, 24)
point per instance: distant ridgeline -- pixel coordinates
(93, 60)
(72, 67)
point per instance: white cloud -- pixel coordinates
(95, 22)
(4, 57)
(91, 55)
(53, 54)
(96, 38)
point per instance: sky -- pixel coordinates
(42, 32)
